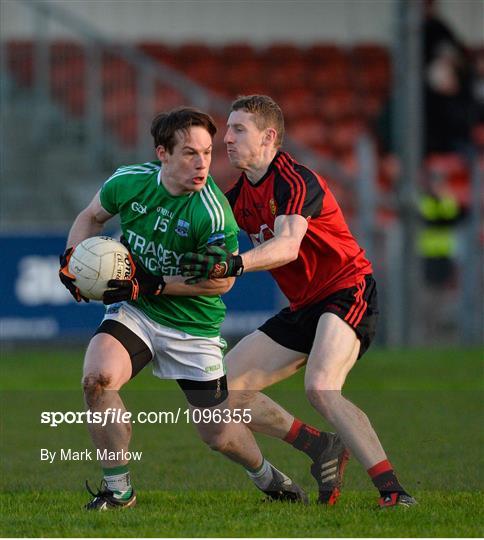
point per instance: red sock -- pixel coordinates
(294, 431)
(306, 438)
(384, 478)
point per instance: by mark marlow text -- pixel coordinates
(68, 454)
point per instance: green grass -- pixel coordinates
(426, 405)
(238, 514)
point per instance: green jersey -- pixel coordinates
(160, 228)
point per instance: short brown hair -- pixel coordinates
(266, 111)
(165, 125)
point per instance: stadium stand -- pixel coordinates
(330, 94)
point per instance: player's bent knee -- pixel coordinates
(95, 384)
(241, 398)
(216, 440)
(323, 398)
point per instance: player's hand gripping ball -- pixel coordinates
(87, 270)
(217, 262)
(67, 278)
(140, 282)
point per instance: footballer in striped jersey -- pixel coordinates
(300, 235)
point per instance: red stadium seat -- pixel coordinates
(125, 128)
(325, 53)
(445, 165)
(65, 51)
(286, 76)
(248, 87)
(279, 53)
(344, 135)
(160, 52)
(219, 87)
(370, 105)
(119, 102)
(20, 61)
(190, 53)
(166, 98)
(66, 76)
(117, 73)
(74, 101)
(247, 77)
(370, 53)
(67, 62)
(386, 217)
(296, 102)
(236, 75)
(337, 105)
(310, 131)
(388, 173)
(237, 53)
(221, 123)
(327, 77)
(372, 79)
(203, 72)
(324, 149)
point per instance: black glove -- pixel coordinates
(67, 278)
(140, 283)
(217, 262)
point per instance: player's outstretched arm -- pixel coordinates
(176, 286)
(278, 251)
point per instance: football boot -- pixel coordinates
(104, 499)
(328, 470)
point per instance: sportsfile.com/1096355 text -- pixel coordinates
(119, 416)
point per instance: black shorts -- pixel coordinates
(357, 306)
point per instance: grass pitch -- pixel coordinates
(425, 404)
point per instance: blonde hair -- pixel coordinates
(266, 111)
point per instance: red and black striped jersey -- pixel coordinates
(329, 257)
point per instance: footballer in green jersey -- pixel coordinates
(167, 208)
(159, 228)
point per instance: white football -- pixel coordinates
(95, 261)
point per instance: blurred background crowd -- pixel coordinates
(385, 98)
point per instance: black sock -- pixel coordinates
(385, 479)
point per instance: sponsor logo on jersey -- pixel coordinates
(138, 207)
(154, 256)
(182, 227)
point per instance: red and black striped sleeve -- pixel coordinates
(296, 189)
